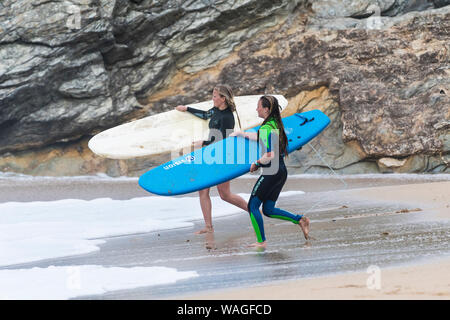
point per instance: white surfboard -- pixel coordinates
(169, 131)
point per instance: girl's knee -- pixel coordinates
(203, 193)
(249, 206)
(225, 196)
(268, 207)
(253, 204)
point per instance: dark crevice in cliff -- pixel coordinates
(6, 126)
(21, 41)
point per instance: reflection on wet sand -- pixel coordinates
(210, 243)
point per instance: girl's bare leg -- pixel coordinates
(226, 195)
(205, 204)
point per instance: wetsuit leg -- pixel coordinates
(255, 216)
(266, 192)
(269, 209)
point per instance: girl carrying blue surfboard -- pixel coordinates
(222, 120)
(267, 188)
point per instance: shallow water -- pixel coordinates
(17, 187)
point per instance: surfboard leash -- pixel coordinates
(323, 160)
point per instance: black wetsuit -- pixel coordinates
(222, 120)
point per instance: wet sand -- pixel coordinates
(396, 224)
(427, 278)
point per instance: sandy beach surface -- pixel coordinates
(428, 278)
(376, 237)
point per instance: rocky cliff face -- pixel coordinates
(379, 69)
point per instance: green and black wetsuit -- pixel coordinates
(268, 187)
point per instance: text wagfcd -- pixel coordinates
(234, 309)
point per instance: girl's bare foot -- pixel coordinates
(304, 225)
(205, 230)
(258, 245)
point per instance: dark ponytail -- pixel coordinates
(274, 112)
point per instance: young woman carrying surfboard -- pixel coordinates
(272, 136)
(222, 119)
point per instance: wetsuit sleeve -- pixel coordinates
(207, 142)
(205, 115)
(264, 137)
(212, 138)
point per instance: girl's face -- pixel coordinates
(218, 101)
(262, 112)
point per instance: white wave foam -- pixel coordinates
(66, 282)
(38, 230)
(98, 177)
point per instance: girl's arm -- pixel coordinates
(247, 135)
(265, 159)
(205, 115)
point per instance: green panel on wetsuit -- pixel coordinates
(256, 228)
(265, 132)
(284, 218)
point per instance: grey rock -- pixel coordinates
(332, 9)
(72, 68)
(351, 8)
(441, 3)
(397, 111)
(69, 69)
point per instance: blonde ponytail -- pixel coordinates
(226, 92)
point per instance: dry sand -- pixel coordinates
(428, 280)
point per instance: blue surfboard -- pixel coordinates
(226, 159)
